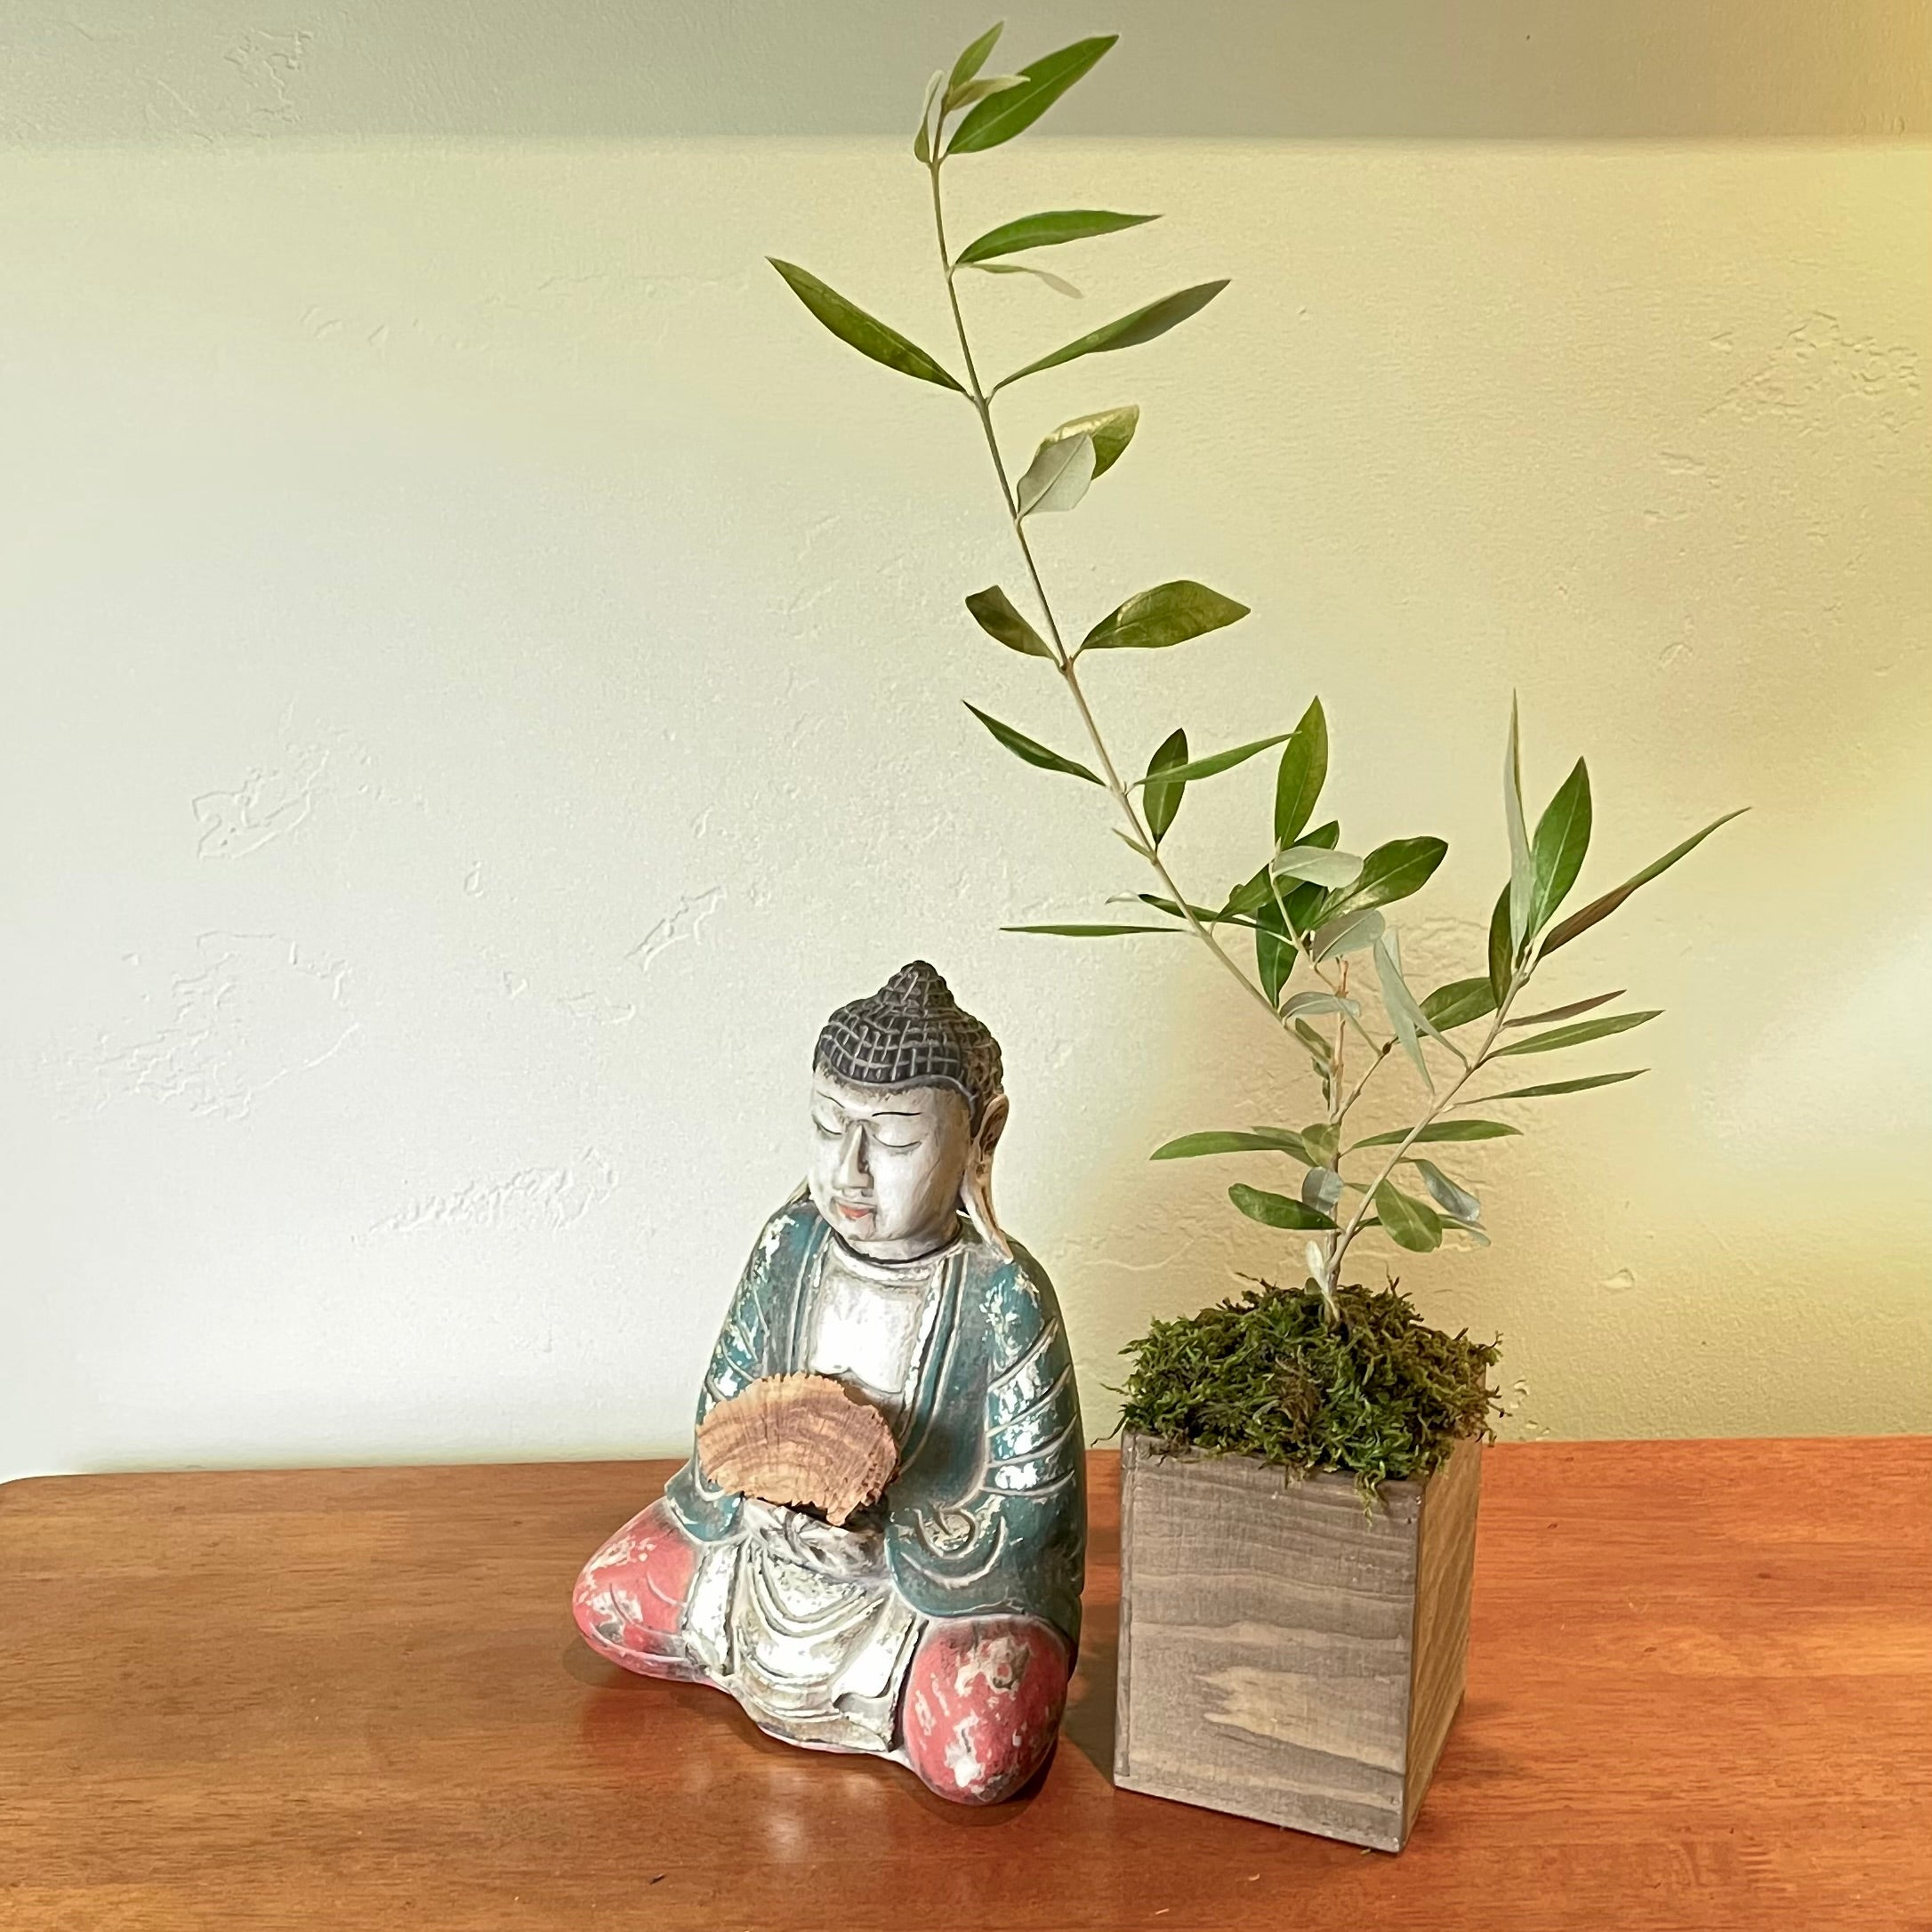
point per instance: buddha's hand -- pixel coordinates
(847, 1554)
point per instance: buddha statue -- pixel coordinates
(936, 1625)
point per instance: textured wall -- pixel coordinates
(481, 678)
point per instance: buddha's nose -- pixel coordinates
(851, 1169)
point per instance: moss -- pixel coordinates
(1378, 1394)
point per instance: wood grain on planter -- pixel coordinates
(1284, 1656)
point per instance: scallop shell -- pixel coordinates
(799, 1439)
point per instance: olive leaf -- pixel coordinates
(1169, 613)
(1440, 1129)
(923, 139)
(865, 332)
(1312, 1002)
(1556, 851)
(1206, 915)
(1206, 768)
(1274, 952)
(1304, 770)
(1522, 873)
(1057, 477)
(974, 57)
(1016, 108)
(1029, 749)
(1457, 1203)
(1391, 872)
(1459, 1002)
(1353, 933)
(1262, 1140)
(1161, 798)
(1318, 863)
(1564, 1012)
(992, 611)
(1321, 1189)
(1408, 1222)
(1585, 917)
(1124, 331)
(1086, 931)
(1583, 1030)
(1322, 1140)
(1404, 1014)
(975, 90)
(1563, 1086)
(1276, 1210)
(1047, 231)
(1502, 952)
(1111, 429)
(1059, 284)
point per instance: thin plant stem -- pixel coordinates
(1063, 659)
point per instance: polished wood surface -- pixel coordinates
(1700, 1697)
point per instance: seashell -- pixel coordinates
(799, 1439)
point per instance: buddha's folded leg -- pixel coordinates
(982, 1705)
(629, 1601)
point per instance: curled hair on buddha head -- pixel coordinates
(913, 1033)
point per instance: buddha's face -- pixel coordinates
(887, 1167)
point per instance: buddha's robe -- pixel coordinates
(981, 1536)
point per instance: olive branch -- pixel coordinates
(1310, 903)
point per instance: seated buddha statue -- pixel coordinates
(936, 1625)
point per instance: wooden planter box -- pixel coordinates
(1282, 1655)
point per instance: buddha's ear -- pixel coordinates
(992, 1125)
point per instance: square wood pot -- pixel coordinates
(1283, 1656)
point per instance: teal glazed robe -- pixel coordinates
(987, 1514)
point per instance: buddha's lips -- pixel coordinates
(855, 1211)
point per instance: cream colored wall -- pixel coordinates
(482, 680)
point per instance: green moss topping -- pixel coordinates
(1378, 1393)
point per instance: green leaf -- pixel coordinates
(1203, 914)
(1162, 798)
(1522, 873)
(1457, 1203)
(923, 139)
(1404, 1014)
(1304, 770)
(1391, 872)
(1034, 753)
(1563, 1086)
(1057, 477)
(1565, 1012)
(1556, 852)
(1169, 613)
(1276, 1210)
(974, 57)
(1459, 1002)
(1322, 1140)
(1501, 954)
(1086, 932)
(1274, 952)
(1409, 1223)
(1321, 1189)
(1440, 1129)
(1585, 917)
(1015, 110)
(1125, 332)
(866, 334)
(1323, 1002)
(1262, 1140)
(992, 611)
(1048, 231)
(1059, 284)
(1583, 1030)
(1325, 867)
(1219, 761)
(1351, 934)
(971, 91)
(1112, 430)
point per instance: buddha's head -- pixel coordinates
(907, 1110)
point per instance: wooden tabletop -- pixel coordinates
(1700, 1697)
